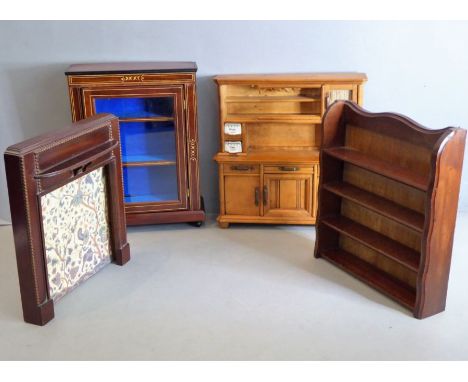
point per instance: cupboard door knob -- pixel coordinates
(286, 168)
(241, 168)
(257, 196)
(265, 195)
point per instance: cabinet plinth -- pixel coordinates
(157, 110)
(270, 134)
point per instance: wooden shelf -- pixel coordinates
(147, 119)
(150, 163)
(289, 118)
(392, 249)
(148, 160)
(378, 166)
(372, 276)
(382, 206)
(256, 99)
(273, 156)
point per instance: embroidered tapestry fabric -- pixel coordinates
(76, 232)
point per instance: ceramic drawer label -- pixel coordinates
(232, 128)
(233, 147)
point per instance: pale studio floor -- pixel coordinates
(245, 293)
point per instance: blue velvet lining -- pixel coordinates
(150, 183)
(147, 141)
(135, 107)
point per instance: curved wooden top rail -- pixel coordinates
(392, 124)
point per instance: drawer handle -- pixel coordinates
(241, 168)
(257, 196)
(286, 168)
(265, 195)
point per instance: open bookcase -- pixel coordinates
(387, 203)
(270, 133)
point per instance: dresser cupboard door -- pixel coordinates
(152, 135)
(287, 195)
(242, 195)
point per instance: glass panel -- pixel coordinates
(150, 183)
(149, 148)
(148, 141)
(135, 107)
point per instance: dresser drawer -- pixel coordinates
(289, 168)
(240, 168)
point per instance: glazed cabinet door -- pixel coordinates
(153, 142)
(288, 195)
(242, 195)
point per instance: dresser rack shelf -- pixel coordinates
(387, 203)
(289, 118)
(272, 99)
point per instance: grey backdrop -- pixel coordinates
(416, 68)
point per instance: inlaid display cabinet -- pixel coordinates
(270, 133)
(388, 201)
(157, 110)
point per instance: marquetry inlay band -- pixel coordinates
(132, 78)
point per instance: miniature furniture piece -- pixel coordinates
(65, 191)
(388, 200)
(270, 135)
(157, 109)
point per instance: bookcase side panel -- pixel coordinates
(441, 213)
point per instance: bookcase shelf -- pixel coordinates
(387, 203)
(383, 282)
(374, 240)
(379, 166)
(378, 204)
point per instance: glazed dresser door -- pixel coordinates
(152, 136)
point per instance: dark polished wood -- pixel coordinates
(379, 280)
(42, 164)
(378, 204)
(85, 81)
(132, 67)
(387, 203)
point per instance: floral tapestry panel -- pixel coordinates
(76, 232)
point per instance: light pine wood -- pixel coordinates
(388, 199)
(242, 194)
(281, 116)
(287, 195)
